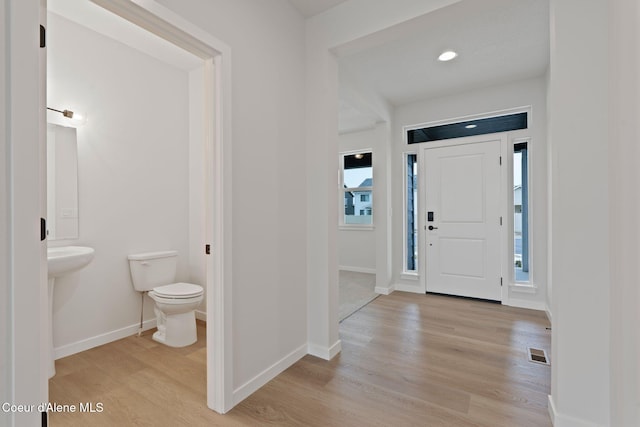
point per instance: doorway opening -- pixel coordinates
(212, 132)
(433, 140)
(356, 275)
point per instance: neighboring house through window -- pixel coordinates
(357, 188)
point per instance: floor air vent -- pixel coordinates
(537, 355)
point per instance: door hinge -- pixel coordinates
(207, 249)
(501, 281)
(500, 220)
(43, 36)
(43, 229)
(500, 160)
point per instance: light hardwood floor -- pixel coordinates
(407, 360)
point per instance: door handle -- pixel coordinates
(431, 227)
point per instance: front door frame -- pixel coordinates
(504, 199)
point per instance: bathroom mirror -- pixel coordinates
(62, 182)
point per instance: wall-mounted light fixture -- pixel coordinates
(68, 119)
(67, 113)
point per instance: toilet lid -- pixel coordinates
(178, 290)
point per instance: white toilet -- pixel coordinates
(155, 272)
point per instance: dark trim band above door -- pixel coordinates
(485, 126)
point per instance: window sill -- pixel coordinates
(356, 227)
(409, 276)
(525, 288)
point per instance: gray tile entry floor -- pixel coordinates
(356, 291)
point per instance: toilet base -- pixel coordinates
(176, 330)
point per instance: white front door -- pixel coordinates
(463, 227)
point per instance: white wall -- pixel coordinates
(581, 357)
(624, 210)
(268, 179)
(5, 308)
(529, 92)
(133, 159)
(5, 283)
(595, 376)
(357, 248)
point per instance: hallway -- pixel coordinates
(406, 360)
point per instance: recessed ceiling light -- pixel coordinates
(471, 126)
(447, 55)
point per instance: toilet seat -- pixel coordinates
(178, 291)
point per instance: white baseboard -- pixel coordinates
(552, 410)
(559, 420)
(357, 269)
(268, 374)
(549, 316)
(414, 289)
(88, 343)
(201, 315)
(383, 290)
(326, 353)
(531, 305)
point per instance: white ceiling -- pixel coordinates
(308, 8)
(498, 41)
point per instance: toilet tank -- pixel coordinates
(152, 269)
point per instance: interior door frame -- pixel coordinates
(216, 56)
(504, 200)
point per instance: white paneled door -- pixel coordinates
(463, 227)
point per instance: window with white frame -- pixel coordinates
(521, 211)
(411, 212)
(521, 235)
(357, 188)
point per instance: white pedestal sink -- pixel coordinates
(62, 261)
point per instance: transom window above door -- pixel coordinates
(460, 129)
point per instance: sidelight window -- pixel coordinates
(521, 243)
(411, 212)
